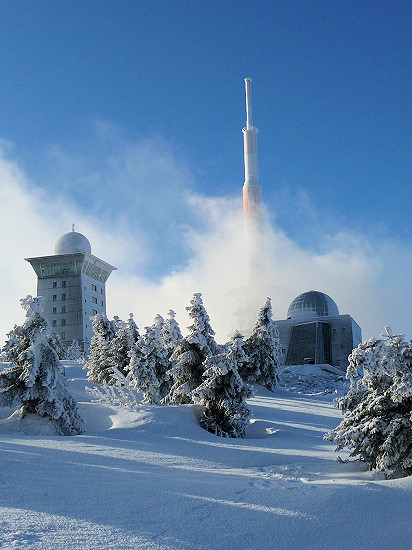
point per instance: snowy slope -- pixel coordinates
(153, 479)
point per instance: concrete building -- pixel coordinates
(315, 333)
(72, 284)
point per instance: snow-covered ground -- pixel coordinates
(153, 479)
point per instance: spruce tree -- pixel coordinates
(263, 350)
(100, 361)
(156, 355)
(190, 354)
(378, 429)
(142, 373)
(36, 382)
(171, 334)
(74, 351)
(223, 394)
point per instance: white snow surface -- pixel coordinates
(153, 479)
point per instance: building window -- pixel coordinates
(63, 335)
(54, 284)
(63, 296)
(63, 322)
(334, 331)
(102, 303)
(94, 300)
(94, 288)
(343, 330)
(55, 310)
(63, 284)
(54, 323)
(101, 291)
(94, 312)
(64, 309)
(54, 297)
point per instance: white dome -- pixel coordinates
(310, 305)
(72, 242)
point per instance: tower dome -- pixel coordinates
(312, 304)
(72, 242)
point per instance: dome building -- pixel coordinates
(315, 333)
(72, 284)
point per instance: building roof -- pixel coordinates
(72, 242)
(310, 305)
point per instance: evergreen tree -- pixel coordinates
(100, 361)
(74, 351)
(56, 343)
(156, 355)
(379, 428)
(36, 382)
(223, 394)
(132, 331)
(236, 344)
(263, 350)
(171, 334)
(190, 354)
(142, 373)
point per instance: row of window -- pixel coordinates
(55, 297)
(63, 309)
(64, 284)
(63, 322)
(94, 288)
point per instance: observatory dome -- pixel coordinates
(72, 242)
(310, 305)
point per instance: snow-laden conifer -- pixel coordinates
(190, 354)
(142, 373)
(263, 350)
(223, 394)
(156, 355)
(100, 360)
(378, 429)
(74, 351)
(36, 383)
(171, 334)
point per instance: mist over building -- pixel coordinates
(313, 332)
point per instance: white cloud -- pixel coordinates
(368, 279)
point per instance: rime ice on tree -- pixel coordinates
(190, 354)
(36, 381)
(263, 350)
(379, 428)
(223, 394)
(100, 362)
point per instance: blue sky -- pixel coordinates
(124, 109)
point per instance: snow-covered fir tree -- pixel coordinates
(74, 351)
(223, 394)
(100, 361)
(56, 343)
(132, 331)
(236, 344)
(36, 383)
(142, 374)
(378, 429)
(263, 350)
(190, 354)
(156, 355)
(171, 334)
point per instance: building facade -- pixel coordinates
(72, 283)
(315, 333)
